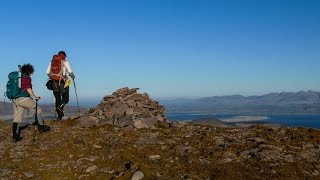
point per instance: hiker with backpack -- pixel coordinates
(19, 90)
(57, 71)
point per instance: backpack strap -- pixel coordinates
(19, 76)
(61, 71)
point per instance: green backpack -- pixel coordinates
(13, 90)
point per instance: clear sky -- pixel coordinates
(167, 48)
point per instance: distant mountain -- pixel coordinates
(303, 102)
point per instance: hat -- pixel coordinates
(62, 52)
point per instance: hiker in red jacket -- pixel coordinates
(26, 101)
(57, 71)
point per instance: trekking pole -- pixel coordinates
(75, 90)
(36, 122)
(54, 107)
(4, 101)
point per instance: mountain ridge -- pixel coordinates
(302, 102)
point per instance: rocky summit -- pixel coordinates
(125, 108)
(104, 148)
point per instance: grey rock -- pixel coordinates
(28, 174)
(125, 121)
(138, 175)
(129, 111)
(122, 90)
(155, 157)
(91, 168)
(144, 122)
(88, 121)
(119, 108)
(131, 103)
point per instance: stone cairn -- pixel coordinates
(126, 107)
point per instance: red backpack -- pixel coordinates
(56, 67)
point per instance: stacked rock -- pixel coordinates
(127, 107)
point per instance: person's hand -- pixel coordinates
(37, 98)
(72, 75)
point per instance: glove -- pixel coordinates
(72, 75)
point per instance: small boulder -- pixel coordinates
(138, 175)
(88, 121)
(144, 122)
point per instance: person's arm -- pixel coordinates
(67, 65)
(30, 91)
(48, 69)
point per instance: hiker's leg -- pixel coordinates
(29, 104)
(39, 115)
(58, 104)
(57, 96)
(41, 126)
(57, 93)
(64, 101)
(16, 132)
(64, 93)
(17, 118)
(65, 97)
(17, 111)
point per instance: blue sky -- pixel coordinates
(167, 48)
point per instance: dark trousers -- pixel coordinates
(61, 95)
(61, 98)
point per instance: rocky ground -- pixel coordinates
(174, 151)
(99, 149)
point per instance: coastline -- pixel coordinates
(244, 118)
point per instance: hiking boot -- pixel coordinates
(17, 138)
(60, 112)
(16, 132)
(35, 123)
(43, 128)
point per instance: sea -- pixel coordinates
(305, 121)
